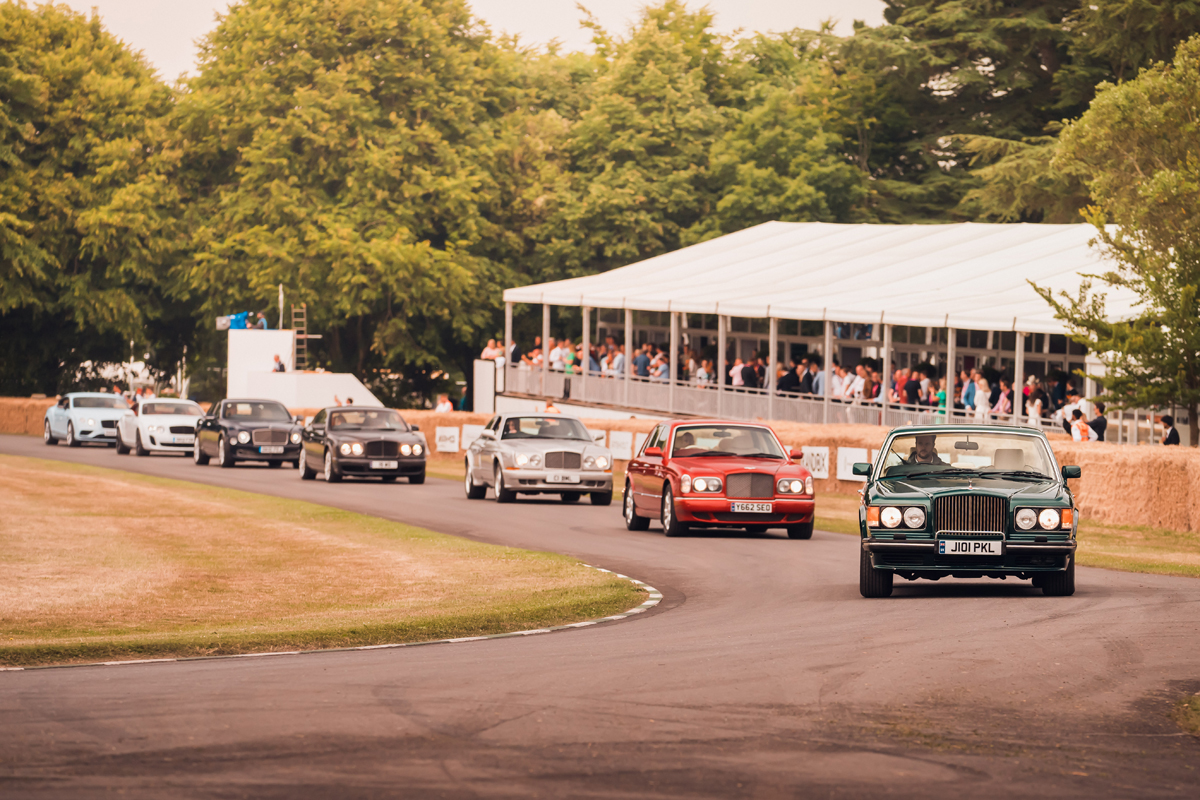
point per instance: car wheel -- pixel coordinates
(137, 445)
(474, 492)
(71, 440)
(417, 479)
(332, 475)
(224, 453)
(873, 582)
(388, 478)
(48, 437)
(802, 531)
(307, 473)
(198, 454)
(601, 498)
(122, 448)
(632, 521)
(570, 497)
(502, 495)
(670, 523)
(1060, 584)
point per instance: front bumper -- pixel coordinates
(920, 557)
(251, 452)
(535, 481)
(711, 510)
(361, 465)
(154, 442)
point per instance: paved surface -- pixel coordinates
(762, 674)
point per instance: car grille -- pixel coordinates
(264, 436)
(750, 484)
(560, 459)
(970, 513)
(383, 449)
(108, 423)
(182, 429)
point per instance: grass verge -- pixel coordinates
(1187, 714)
(105, 565)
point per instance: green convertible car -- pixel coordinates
(967, 501)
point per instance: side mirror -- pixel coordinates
(1071, 472)
(653, 452)
(795, 455)
(488, 434)
(415, 427)
(299, 419)
(861, 468)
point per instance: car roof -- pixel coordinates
(250, 400)
(157, 399)
(678, 422)
(360, 408)
(510, 414)
(935, 429)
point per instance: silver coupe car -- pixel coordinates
(538, 454)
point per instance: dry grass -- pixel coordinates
(1187, 714)
(103, 564)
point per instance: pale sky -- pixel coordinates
(165, 30)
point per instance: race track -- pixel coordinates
(762, 674)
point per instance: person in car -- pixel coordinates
(925, 452)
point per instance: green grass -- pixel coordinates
(1187, 714)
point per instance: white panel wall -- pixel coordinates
(254, 351)
(308, 389)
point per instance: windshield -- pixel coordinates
(725, 440)
(553, 427)
(182, 409)
(258, 412)
(915, 455)
(383, 419)
(100, 402)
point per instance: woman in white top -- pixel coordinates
(982, 392)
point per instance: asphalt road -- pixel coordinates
(762, 674)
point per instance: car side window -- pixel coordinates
(319, 419)
(652, 439)
(493, 423)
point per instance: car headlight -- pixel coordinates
(243, 437)
(685, 484)
(1026, 518)
(296, 437)
(790, 486)
(1049, 518)
(406, 449)
(808, 485)
(521, 458)
(155, 429)
(344, 449)
(706, 484)
(535, 460)
(91, 423)
(356, 449)
(890, 517)
(417, 450)
(914, 517)
(595, 462)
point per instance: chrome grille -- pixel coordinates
(974, 513)
(265, 436)
(750, 484)
(182, 429)
(560, 459)
(383, 449)
(108, 423)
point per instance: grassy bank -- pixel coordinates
(101, 565)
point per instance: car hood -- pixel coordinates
(377, 436)
(532, 446)
(902, 489)
(100, 413)
(724, 465)
(254, 424)
(170, 419)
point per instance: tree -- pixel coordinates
(1139, 143)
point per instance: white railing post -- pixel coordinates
(828, 371)
(628, 355)
(951, 373)
(673, 366)
(545, 344)
(587, 352)
(773, 338)
(1018, 400)
(886, 373)
(720, 366)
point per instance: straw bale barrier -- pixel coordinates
(1121, 484)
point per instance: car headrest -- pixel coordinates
(1008, 458)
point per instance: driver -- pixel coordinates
(686, 441)
(925, 452)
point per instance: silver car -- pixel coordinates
(538, 454)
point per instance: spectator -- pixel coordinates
(940, 396)
(1003, 404)
(641, 362)
(279, 365)
(735, 373)
(750, 375)
(1170, 435)
(556, 355)
(790, 382)
(981, 393)
(662, 369)
(551, 408)
(969, 389)
(912, 390)
(1099, 423)
(704, 373)
(617, 365)
(1080, 431)
(807, 376)
(491, 352)
(514, 352)
(336, 401)
(444, 405)
(1036, 404)
(837, 381)
(260, 322)
(464, 400)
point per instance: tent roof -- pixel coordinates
(963, 275)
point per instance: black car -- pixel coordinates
(248, 430)
(363, 442)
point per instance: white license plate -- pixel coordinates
(271, 449)
(385, 465)
(555, 477)
(970, 547)
(751, 508)
(183, 439)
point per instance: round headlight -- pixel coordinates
(797, 487)
(685, 483)
(296, 437)
(701, 484)
(890, 517)
(417, 450)
(601, 462)
(1049, 518)
(91, 422)
(1026, 518)
(356, 448)
(589, 462)
(345, 449)
(522, 459)
(914, 517)
(243, 436)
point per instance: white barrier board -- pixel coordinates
(847, 458)
(816, 460)
(621, 444)
(469, 434)
(447, 440)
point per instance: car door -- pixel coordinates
(53, 416)
(314, 440)
(481, 451)
(645, 491)
(126, 425)
(208, 430)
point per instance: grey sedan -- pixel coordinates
(538, 454)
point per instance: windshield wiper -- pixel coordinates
(950, 471)
(1021, 473)
(759, 455)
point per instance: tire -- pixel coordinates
(1060, 584)
(670, 523)
(138, 449)
(502, 495)
(802, 531)
(873, 582)
(632, 521)
(570, 497)
(225, 454)
(601, 498)
(388, 478)
(71, 440)
(474, 492)
(307, 473)
(198, 454)
(48, 437)
(331, 472)
(122, 448)
(418, 479)
(296, 463)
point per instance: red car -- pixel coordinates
(714, 474)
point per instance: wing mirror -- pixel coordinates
(862, 468)
(299, 419)
(1071, 472)
(415, 427)
(795, 455)
(653, 452)
(488, 434)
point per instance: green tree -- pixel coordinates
(1139, 143)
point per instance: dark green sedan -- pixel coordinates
(967, 501)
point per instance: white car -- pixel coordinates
(159, 426)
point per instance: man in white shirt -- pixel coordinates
(556, 356)
(837, 381)
(854, 386)
(618, 361)
(735, 373)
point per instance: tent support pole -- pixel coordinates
(885, 372)
(628, 356)
(951, 374)
(587, 351)
(545, 344)
(828, 371)
(773, 338)
(721, 367)
(673, 366)
(1018, 402)
(507, 347)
